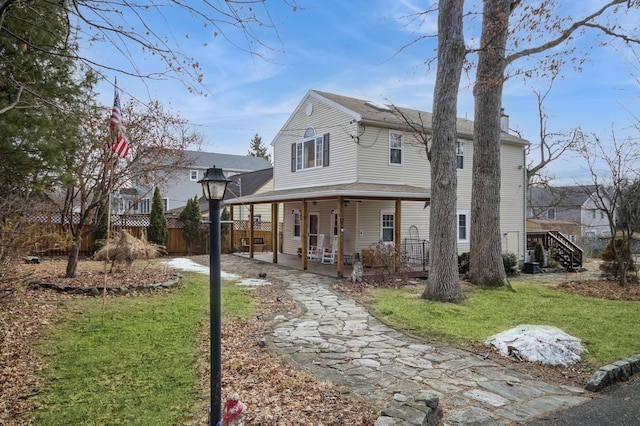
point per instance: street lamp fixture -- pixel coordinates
(214, 185)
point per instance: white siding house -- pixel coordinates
(355, 172)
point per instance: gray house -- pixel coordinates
(564, 204)
(183, 182)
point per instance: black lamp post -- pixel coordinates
(214, 184)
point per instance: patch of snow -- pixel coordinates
(191, 266)
(543, 343)
(254, 282)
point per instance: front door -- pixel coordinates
(313, 229)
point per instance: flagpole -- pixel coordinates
(109, 165)
(108, 236)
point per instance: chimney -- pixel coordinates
(504, 121)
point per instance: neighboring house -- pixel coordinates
(183, 184)
(568, 204)
(352, 172)
(251, 183)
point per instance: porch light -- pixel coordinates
(214, 184)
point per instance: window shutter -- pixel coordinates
(325, 150)
(293, 158)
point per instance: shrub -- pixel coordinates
(610, 265)
(510, 262)
(463, 263)
(538, 255)
(158, 229)
(390, 258)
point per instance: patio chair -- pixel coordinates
(313, 253)
(329, 254)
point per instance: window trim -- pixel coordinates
(297, 225)
(318, 147)
(145, 205)
(395, 148)
(551, 213)
(191, 177)
(460, 148)
(384, 213)
(466, 226)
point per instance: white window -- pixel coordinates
(334, 221)
(601, 215)
(460, 155)
(193, 175)
(463, 227)
(309, 153)
(145, 205)
(257, 221)
(551, 213)
(165, 204)
(387, 227)
(593, 214)
(296, 225)
(395, 147)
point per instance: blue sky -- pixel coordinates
(355, 48)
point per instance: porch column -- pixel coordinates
(232, 230)
(397, 231)
(340, 252)
(274, 231)
(304, 234)
(251, 231)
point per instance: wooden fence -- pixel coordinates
(44, 235)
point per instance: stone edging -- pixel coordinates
(611, 373)
(97, 291)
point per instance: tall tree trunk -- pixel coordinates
(72, 260)
(486, 267)
(444, 284)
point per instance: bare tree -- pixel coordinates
(550, 145)
(141, 29)
(556, 32)
(614, 169)
(444, 284)
(92, 169)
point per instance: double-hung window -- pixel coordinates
(145, 205)
(387, 228)
(396, 145)
(463, 227)
(193, 175)
(460, 155)
(296, 225)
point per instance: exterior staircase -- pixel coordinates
(561, 248)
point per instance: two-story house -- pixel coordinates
(181, 182)
(351, 173)
(549, 205)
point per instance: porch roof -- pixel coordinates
(352, 191)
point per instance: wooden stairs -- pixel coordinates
(561, 248)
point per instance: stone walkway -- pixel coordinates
(338, 341)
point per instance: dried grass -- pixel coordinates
(123, 249)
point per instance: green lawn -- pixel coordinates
(608, 328)
(139, 367)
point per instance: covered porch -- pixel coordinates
(343, 232)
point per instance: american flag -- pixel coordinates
(120, 145)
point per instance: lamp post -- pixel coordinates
(214, 185)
